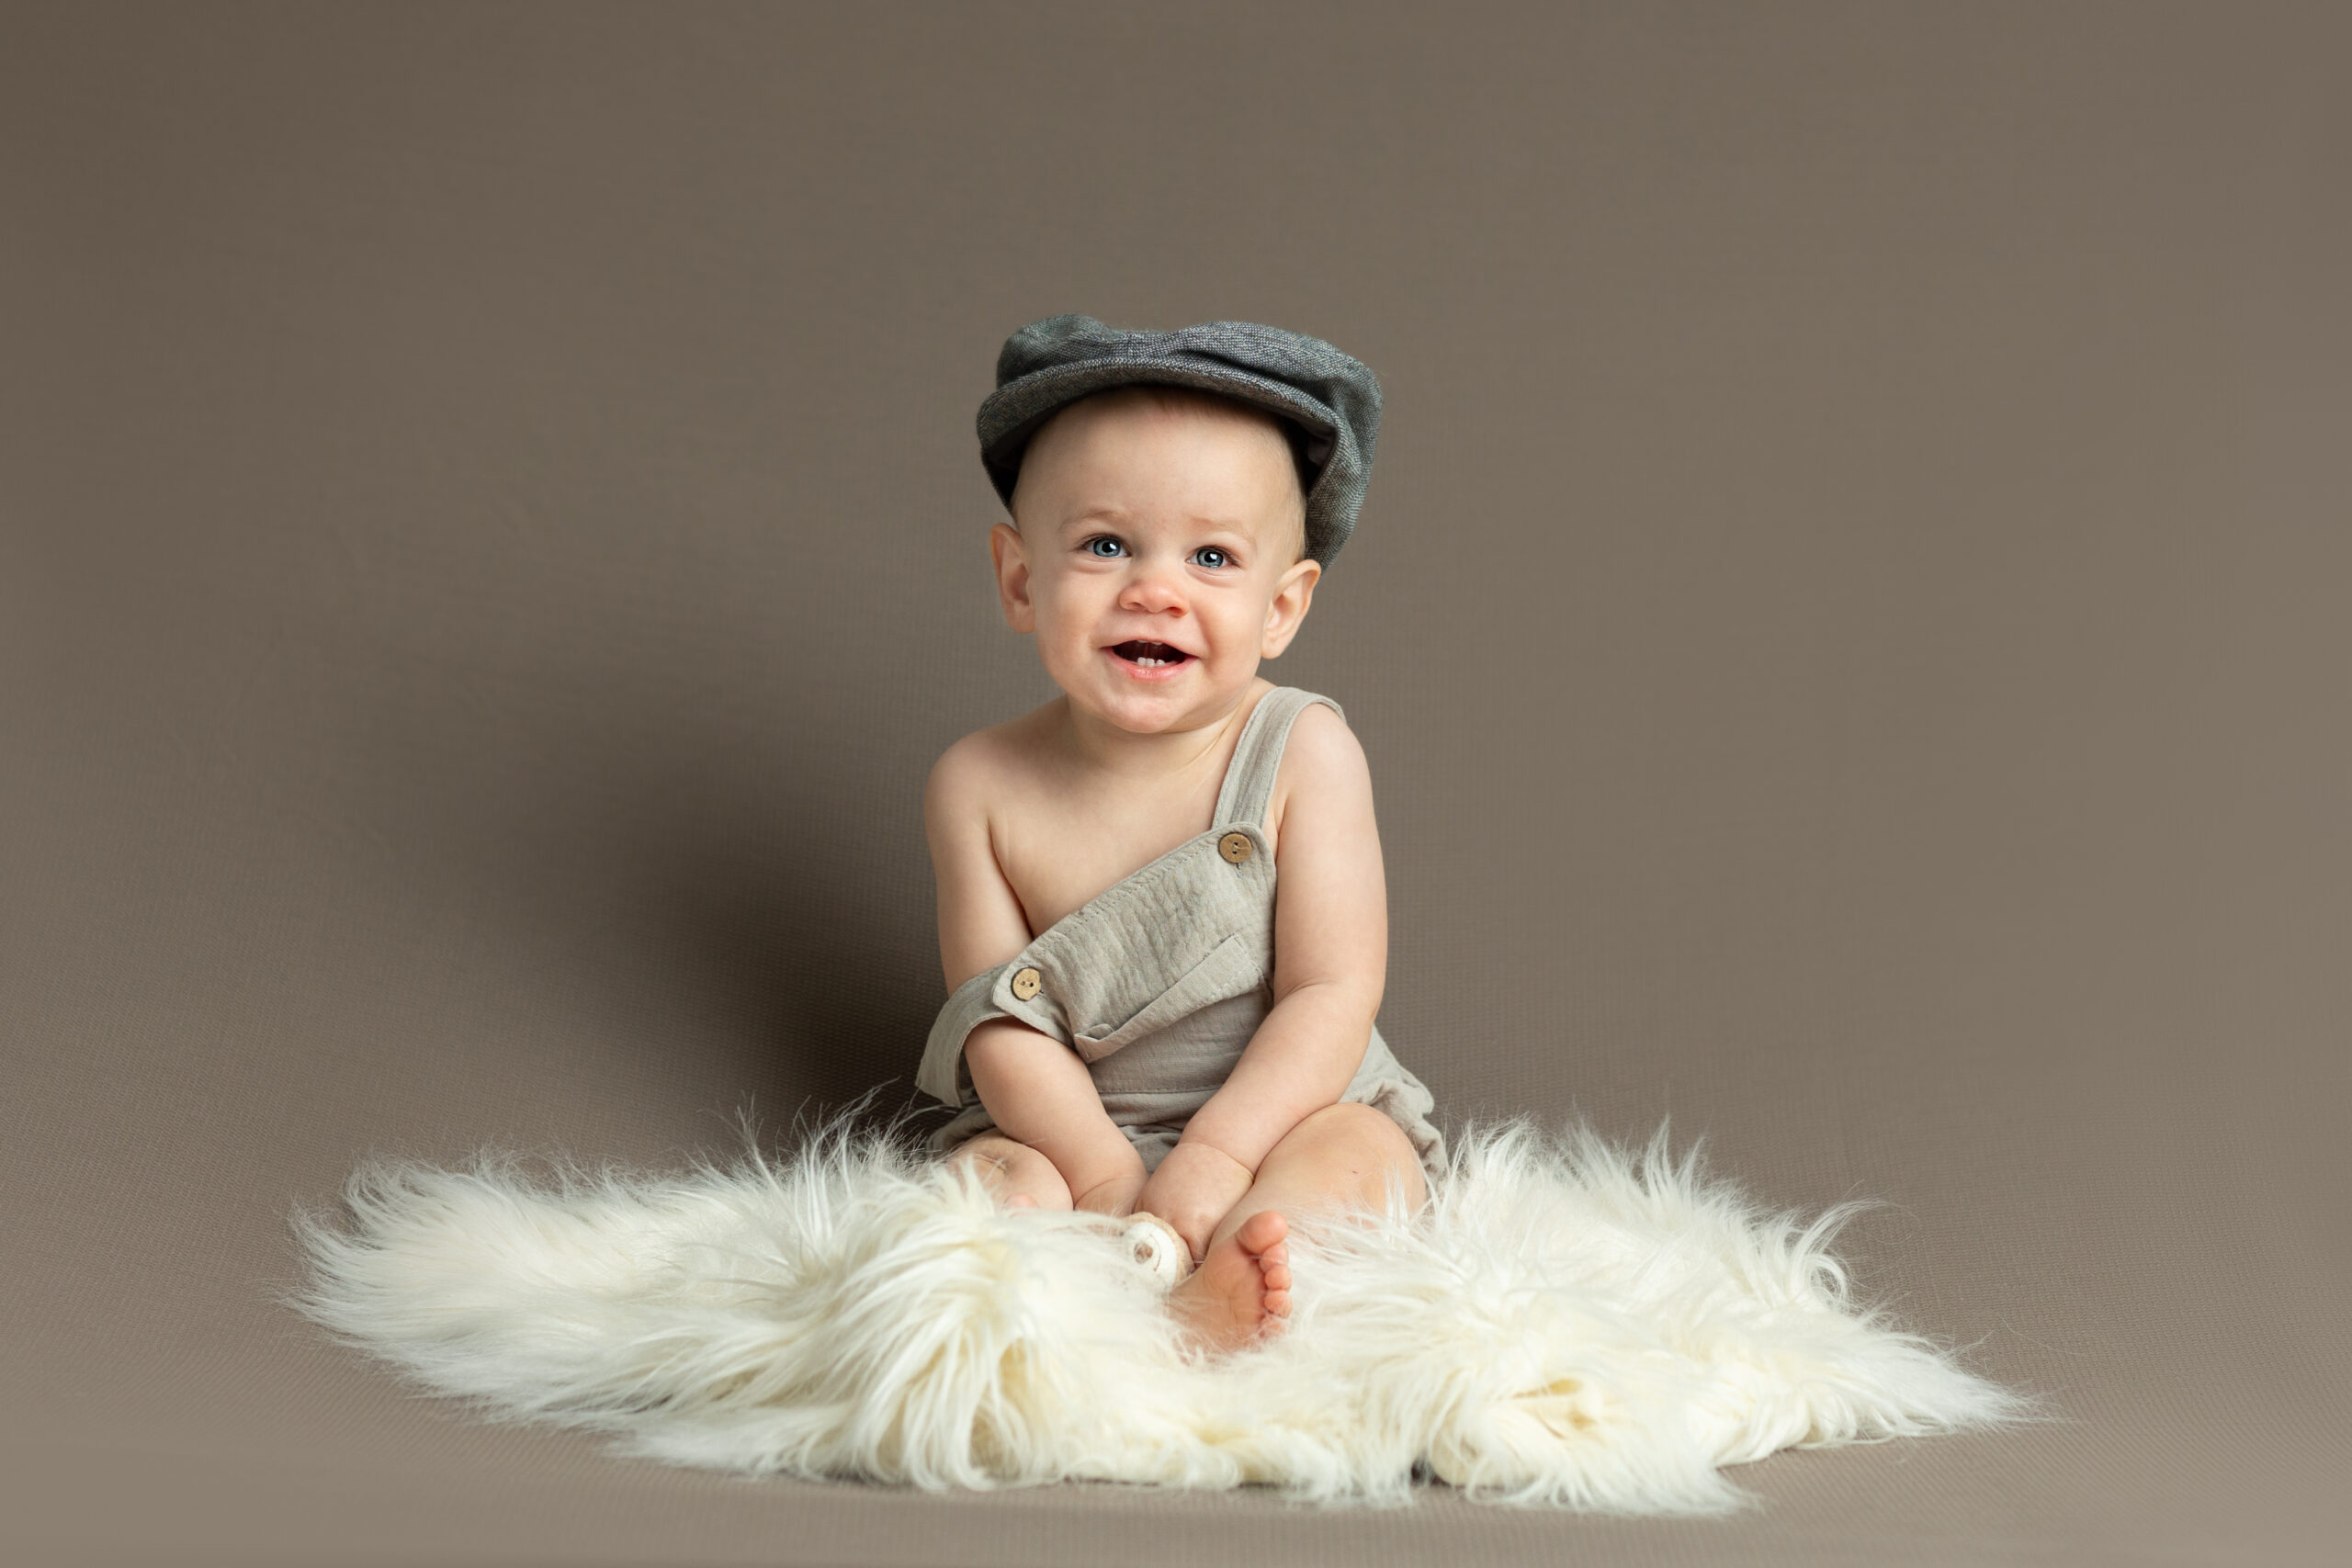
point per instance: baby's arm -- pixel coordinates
(1330, 966)
(1035, 1089)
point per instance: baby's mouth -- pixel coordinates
(1149, 655)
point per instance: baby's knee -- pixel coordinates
(1012, 1168)
(1366, 1141)
(1348, 1124)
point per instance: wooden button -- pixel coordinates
(1026, 983)
(1235, 847)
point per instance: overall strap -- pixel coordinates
(1250, 777)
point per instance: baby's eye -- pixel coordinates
(1102, 539)
(1209, 555)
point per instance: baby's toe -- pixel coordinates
(1276, 1303)
(1277, 1277)
(1262, 1233)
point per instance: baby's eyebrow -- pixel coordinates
(1223, 525)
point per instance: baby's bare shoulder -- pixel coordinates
(984, 769)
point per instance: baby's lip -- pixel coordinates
(1157, 648)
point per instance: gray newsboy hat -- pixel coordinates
(1335, 399)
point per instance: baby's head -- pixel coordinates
(1168, 535)
(1157, 552)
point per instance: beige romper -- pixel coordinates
(1160, 980)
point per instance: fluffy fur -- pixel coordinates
(1564, 1323)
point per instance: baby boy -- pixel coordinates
(1146, 1027)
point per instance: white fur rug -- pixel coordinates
(1566, 1323)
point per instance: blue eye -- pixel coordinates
(1222, 559)
(1101, 539)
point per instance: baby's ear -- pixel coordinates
(1291, 597)
(1010, 558)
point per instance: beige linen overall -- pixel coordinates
(1160, 980)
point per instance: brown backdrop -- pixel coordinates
(1848, 625)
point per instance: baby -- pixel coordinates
(1146, 1028)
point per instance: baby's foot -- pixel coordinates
(1241, 1291)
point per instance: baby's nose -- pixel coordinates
(1153, 591)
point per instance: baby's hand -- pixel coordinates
(1194, 1188)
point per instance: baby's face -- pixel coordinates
(1157, 556)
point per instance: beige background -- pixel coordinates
(1848, 625)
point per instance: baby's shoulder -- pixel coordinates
(1323, 766)
(1319, 724)
(1321, 746)
(971, 765)
(986, 766)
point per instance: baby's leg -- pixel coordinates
(1017, 1174)
(1341, 1157)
